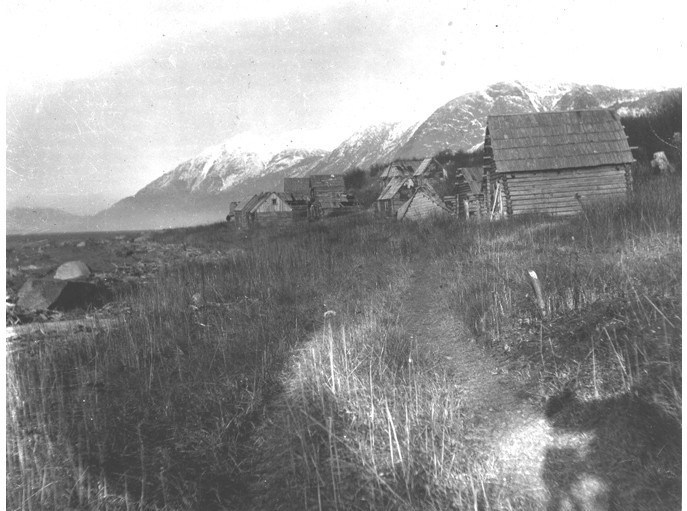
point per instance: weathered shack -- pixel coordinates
(297, 191)
(470, 192)
(263, 209)
(239, 211)
(554, 162)
(329, 191)
(396, 192)
(424, 203)
(318, 195)
(397, 169)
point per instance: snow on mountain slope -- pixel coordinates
(243, 166)
(460, 123)
(374, 144)
(295, 162)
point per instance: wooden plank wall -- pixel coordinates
(423, 207)
(274, 218)
(556, 191)
(389, 207)
(268, 207)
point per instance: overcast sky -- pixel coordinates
(104, 97)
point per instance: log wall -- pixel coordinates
(562, 192)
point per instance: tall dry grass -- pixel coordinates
(232, 386)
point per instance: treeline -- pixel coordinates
(656, 131)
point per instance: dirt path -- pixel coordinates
(511, 429)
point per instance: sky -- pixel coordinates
(104, 97)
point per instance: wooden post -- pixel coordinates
(497, 196)
(536, 286)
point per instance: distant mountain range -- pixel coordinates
(39, 220)
(199, 190)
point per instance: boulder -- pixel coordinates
(41, 294)
(72, 270)
(81, 244)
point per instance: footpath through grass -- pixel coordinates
(284, 377)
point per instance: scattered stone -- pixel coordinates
(73, 270)
(64, 295)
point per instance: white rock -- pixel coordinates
(73, 270)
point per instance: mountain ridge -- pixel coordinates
(200, 189)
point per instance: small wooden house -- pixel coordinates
(396, 192)
(470, 192)
(424, 203)
(264, 208)
(318, 195)
(297, 191)
(554, 162)
(328, 190)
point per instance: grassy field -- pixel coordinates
(282, 376)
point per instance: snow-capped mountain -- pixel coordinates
(295, 162)
(374, 144)
(200, 189)
(460, 123)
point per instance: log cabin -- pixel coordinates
(555, 162)
(265, 208)
(396, 192)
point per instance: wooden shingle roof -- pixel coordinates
(472, 176)
(392, 187)
(422, 167)
(395, 170)
(297, 186)
(557, 140)
(253, 204)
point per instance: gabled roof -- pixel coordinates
(557, 140)
(241, 206)
(473, 177)
(254, 202)
(424, 191)
(398, 169)
(393, 170)
(283, 196)
(257, 200)
(392, 188)
(423, 167)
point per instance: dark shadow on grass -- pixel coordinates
(632, 461)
